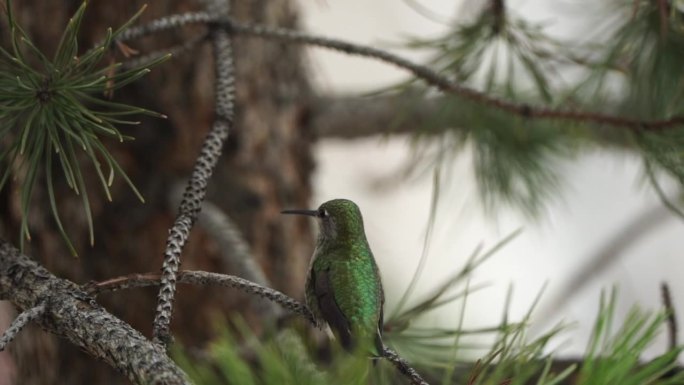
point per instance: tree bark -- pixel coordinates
(266, 166)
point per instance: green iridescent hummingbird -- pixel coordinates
(343, 287)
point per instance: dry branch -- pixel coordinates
(196, 187)
(202, 278)
(73, 314)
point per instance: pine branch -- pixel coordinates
(203, 278)
(352, 117)
(168, 23)
(403, 366)
(446, 85)
(195, 190)
(22, 320)
(71, 313)
(232, 246)
(422, 72)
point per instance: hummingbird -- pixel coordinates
(343, 286)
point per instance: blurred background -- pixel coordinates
(607, 227)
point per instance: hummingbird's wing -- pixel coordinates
(330, 311)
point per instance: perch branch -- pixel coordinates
(403, 366)
(196, 188)
(22, 320)
(203, 278)
(73, 314)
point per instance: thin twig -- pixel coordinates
(168, 22)
(403, 366)
(22, 320)
(203, 278)
(174, 51)
(671, 316)
(195, 190)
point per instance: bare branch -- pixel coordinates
(73, 314)
(204, 278)
(22, 320)
(195, 190)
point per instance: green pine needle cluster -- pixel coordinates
(503, 55)
(497, 52)
(53, 115)
(614, 358)
(284, 359)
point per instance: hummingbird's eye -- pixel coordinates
(322, 213)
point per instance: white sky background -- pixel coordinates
(603, 194)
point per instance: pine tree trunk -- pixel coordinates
(266, 166)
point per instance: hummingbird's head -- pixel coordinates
(338, 218)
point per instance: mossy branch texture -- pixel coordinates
(22, 320)
(195, 190)
(61, 307)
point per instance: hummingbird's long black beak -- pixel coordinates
(311, 213)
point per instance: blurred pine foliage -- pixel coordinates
(630, 68)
